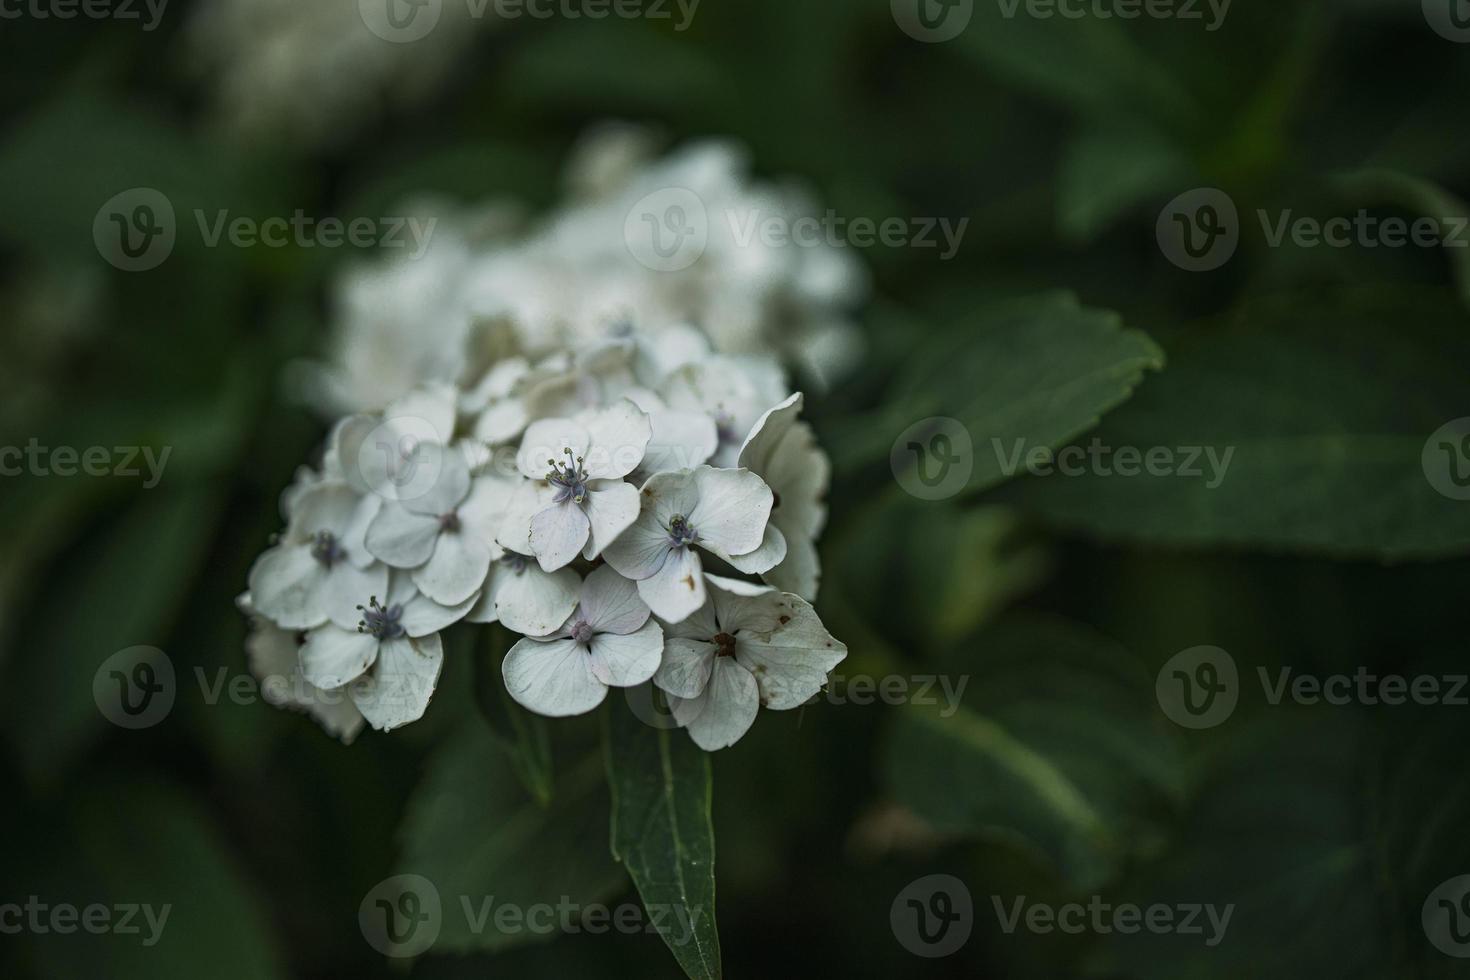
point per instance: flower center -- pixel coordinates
(384, 623)
(516, 563)
(725, 645)
(325, 549)
(680, 531)
(725, 428)
(449, 522)
(582, 633)
(569, 478)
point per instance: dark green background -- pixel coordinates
(1060, 141)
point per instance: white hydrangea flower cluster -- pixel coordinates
(485, 290)
(635, 498)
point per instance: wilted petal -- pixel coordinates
(792, 661)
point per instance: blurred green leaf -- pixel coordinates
(1059, 747)
(1325, 404)
(663, 834)
(470, 830)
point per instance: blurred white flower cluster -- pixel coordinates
(605, 459)
(313, 71)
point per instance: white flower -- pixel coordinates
(580, 502)
(390, 662)
(783, 451)
(320, 569)
(680, 440)
(274, 657)
(747, 646)
(725, 512)
(609, 641)
(398, 454)
(525, 598)
(499, 402)
(446, 535)
(735, 392)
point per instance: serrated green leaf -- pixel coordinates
(663, 833)
(1308, 396)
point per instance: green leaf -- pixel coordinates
(1033, 373)
(1058, 747)
(523, 735)
(1327, 451)
(471, 831)
(1106, 172)
(663, 833)
(1420, 196)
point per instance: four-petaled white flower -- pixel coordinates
(610, 640)
(783, 451)
(747, 646)
(320, 569)
(274, 658)
(580, 503)
(724, 512)
(390, 661)
(446, 534)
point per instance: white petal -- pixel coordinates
(484, 509)
(610, 603)
(324, 507)
(400, 537)
(430, 410)
(800, 473)
(440, 481)
(680, 441)
(456, 571)
(552, 678)
(770, 554)
(768, 433)
(529, 498)
(677, 590)
(422, 616)
(619, 435)
(346, 587)
(733, 510)
(686, 667)
(547, 440)
(801, 572)
(641, 550)
(720, 716)
(286, 587)
(558, 534)
(333, 657)
(530, 601)
(611, 509)
(502, 421)
(398, 690)
(627, 660)
(791, 662)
